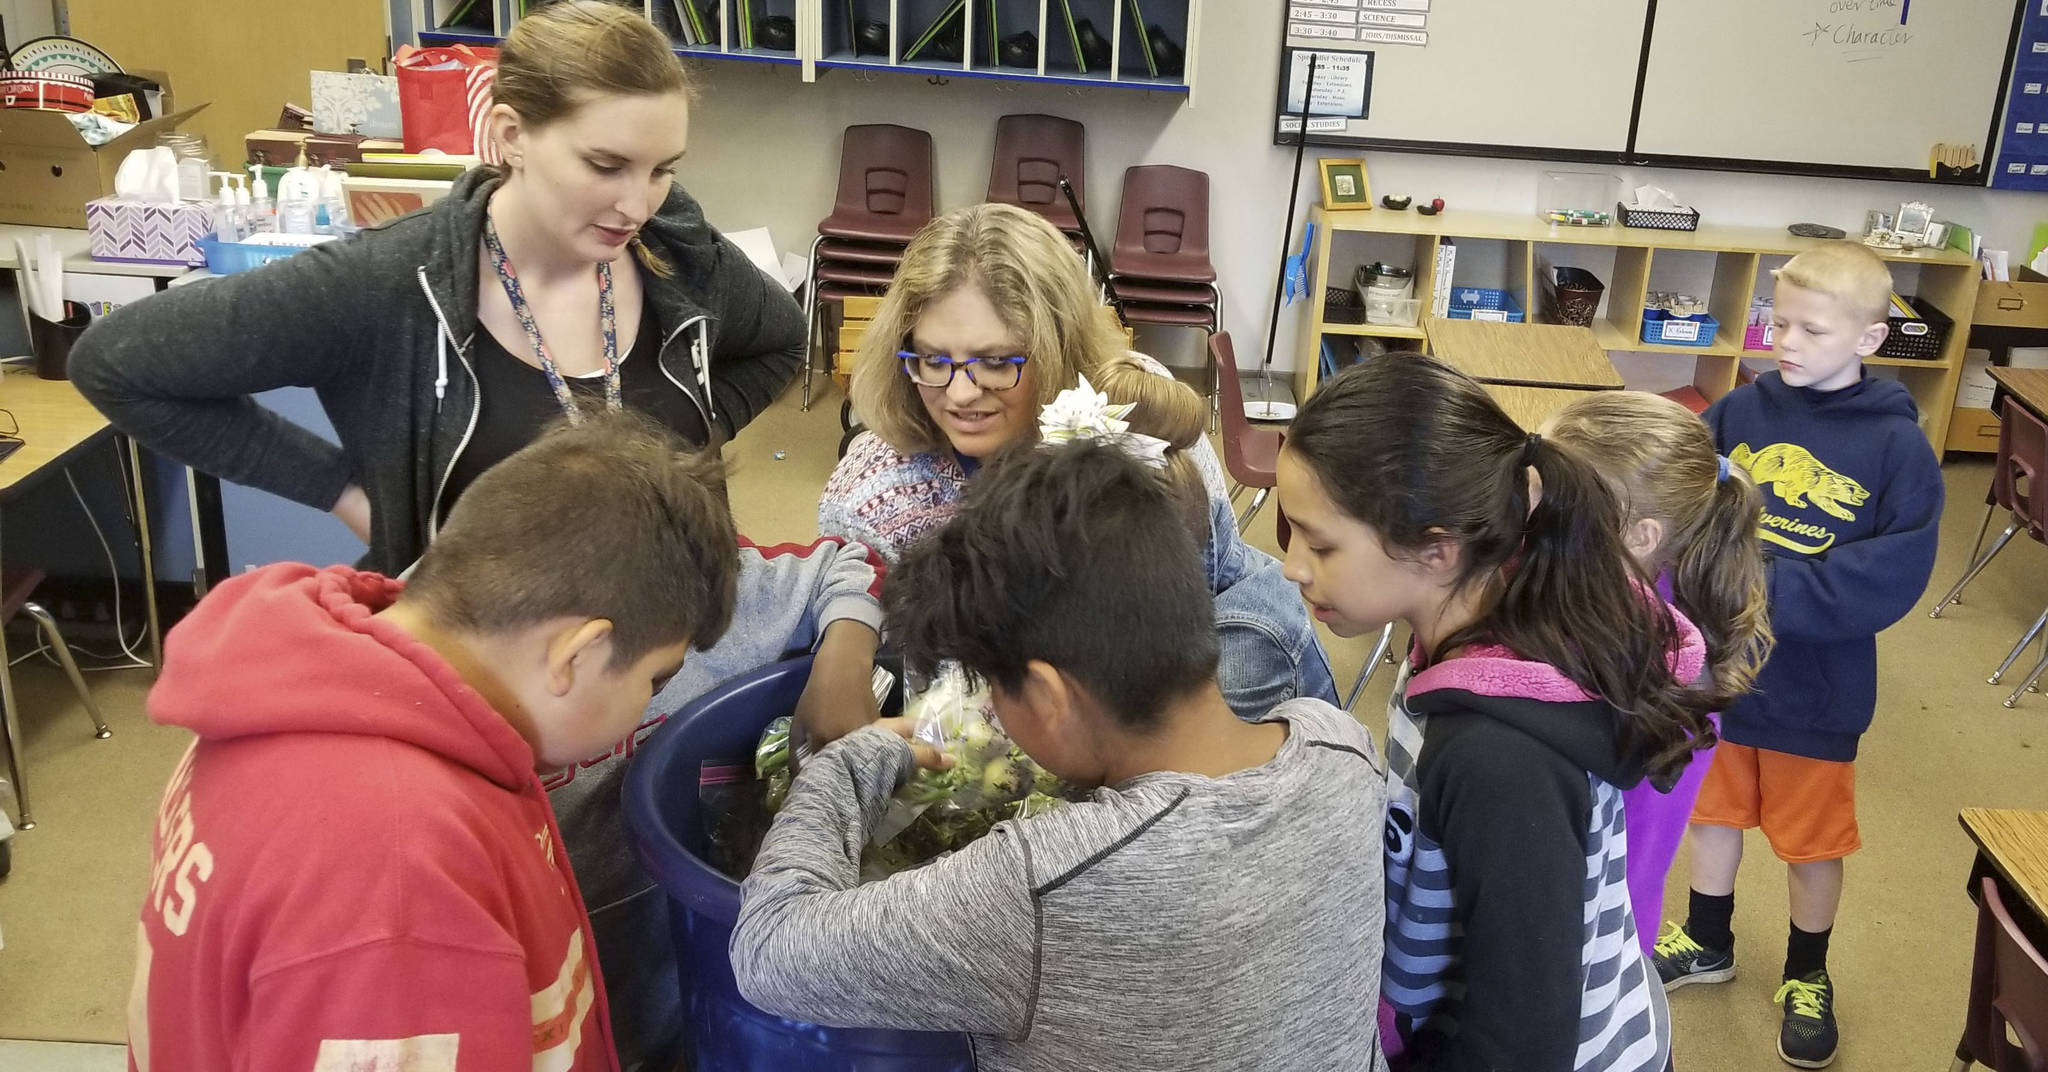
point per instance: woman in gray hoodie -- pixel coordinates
(575, 274)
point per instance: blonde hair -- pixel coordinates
(1847, 272)
(1166, 409)
(1033, 278)
(1659, 459)
(559, 57)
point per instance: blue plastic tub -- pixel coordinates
(726, 1034)
(1484, 303)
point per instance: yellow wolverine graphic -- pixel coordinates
(1796, 475)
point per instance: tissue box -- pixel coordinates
(148, 232)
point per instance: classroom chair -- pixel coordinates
(885, 195)
(1382, 649)
(1159, 265)
(1032, 152)
(2022, 459)
(1249, 453)
(16, 586)
(2008, 994)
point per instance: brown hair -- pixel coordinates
(561, 55)
(1165, 409)
(609, 518)
(1659, 459)
(1420, 452)
(1031, 275)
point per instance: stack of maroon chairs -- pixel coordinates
(1159, 267)
(885, 197)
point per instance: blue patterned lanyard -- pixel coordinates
(607, 317)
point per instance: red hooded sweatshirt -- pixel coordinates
(355, 865)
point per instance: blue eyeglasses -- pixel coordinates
(987, 373)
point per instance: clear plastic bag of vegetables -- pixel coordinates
(937, 812)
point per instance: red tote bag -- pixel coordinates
(434, 99)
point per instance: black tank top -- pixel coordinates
(517, 402)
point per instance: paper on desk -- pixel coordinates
(759, 246)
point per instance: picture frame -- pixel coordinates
(1345, 185)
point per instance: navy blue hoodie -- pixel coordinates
(1852, 508)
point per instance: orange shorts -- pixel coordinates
(1807, 807)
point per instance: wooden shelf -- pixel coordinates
(1947, 278)
(1516, 227)
(1384, 331)
(1725, 344)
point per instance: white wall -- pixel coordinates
(765, 150)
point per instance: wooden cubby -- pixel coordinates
(823, 35)
(1733, 261)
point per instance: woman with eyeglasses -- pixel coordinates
(990, 316)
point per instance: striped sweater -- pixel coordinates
(1510, 940)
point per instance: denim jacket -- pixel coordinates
(1270, 650)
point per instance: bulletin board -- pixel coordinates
(1853, 88)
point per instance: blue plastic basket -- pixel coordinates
(1662, 329)
(1484, 303)
(726, 1033)
(227, 258)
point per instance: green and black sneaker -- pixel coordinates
(1681, 961)
(1808, 1038)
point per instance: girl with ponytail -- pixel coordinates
(1546, 678)
(1689, 520)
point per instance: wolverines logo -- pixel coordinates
(1797, 477)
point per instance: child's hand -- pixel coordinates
(927, 757)
(839, 698)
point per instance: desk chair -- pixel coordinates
(2022, 461)
(15, 589)
(2008, 994)
(1031, 153)
(1249, 453)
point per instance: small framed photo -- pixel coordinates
(1344, 184)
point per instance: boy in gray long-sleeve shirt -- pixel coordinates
(1217, 903)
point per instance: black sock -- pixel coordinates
(1708, 918)
(1806, 952)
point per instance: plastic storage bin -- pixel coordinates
(725, 1033)
(1484, 303)
(227, 258)
(1662, 329)
(1579, 197)
(1919, 339)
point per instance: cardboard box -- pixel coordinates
(48, 172)
(2021, 303)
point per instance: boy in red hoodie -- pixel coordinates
(355, 864)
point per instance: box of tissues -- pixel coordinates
(148, 232)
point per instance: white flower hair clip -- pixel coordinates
(1084, 413)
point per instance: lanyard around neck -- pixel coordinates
(607, 318)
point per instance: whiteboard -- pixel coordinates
(1842, 83)
(1486, 72)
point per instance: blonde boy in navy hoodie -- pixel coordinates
(1852, 505)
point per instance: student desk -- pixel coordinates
(1531, 406)
(2027, 386)
(2015, 845)
(57, 425)
(1533, 355)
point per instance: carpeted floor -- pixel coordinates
(1902, 948)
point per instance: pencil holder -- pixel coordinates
(52, 339)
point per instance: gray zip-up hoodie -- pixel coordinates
(380, 325)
